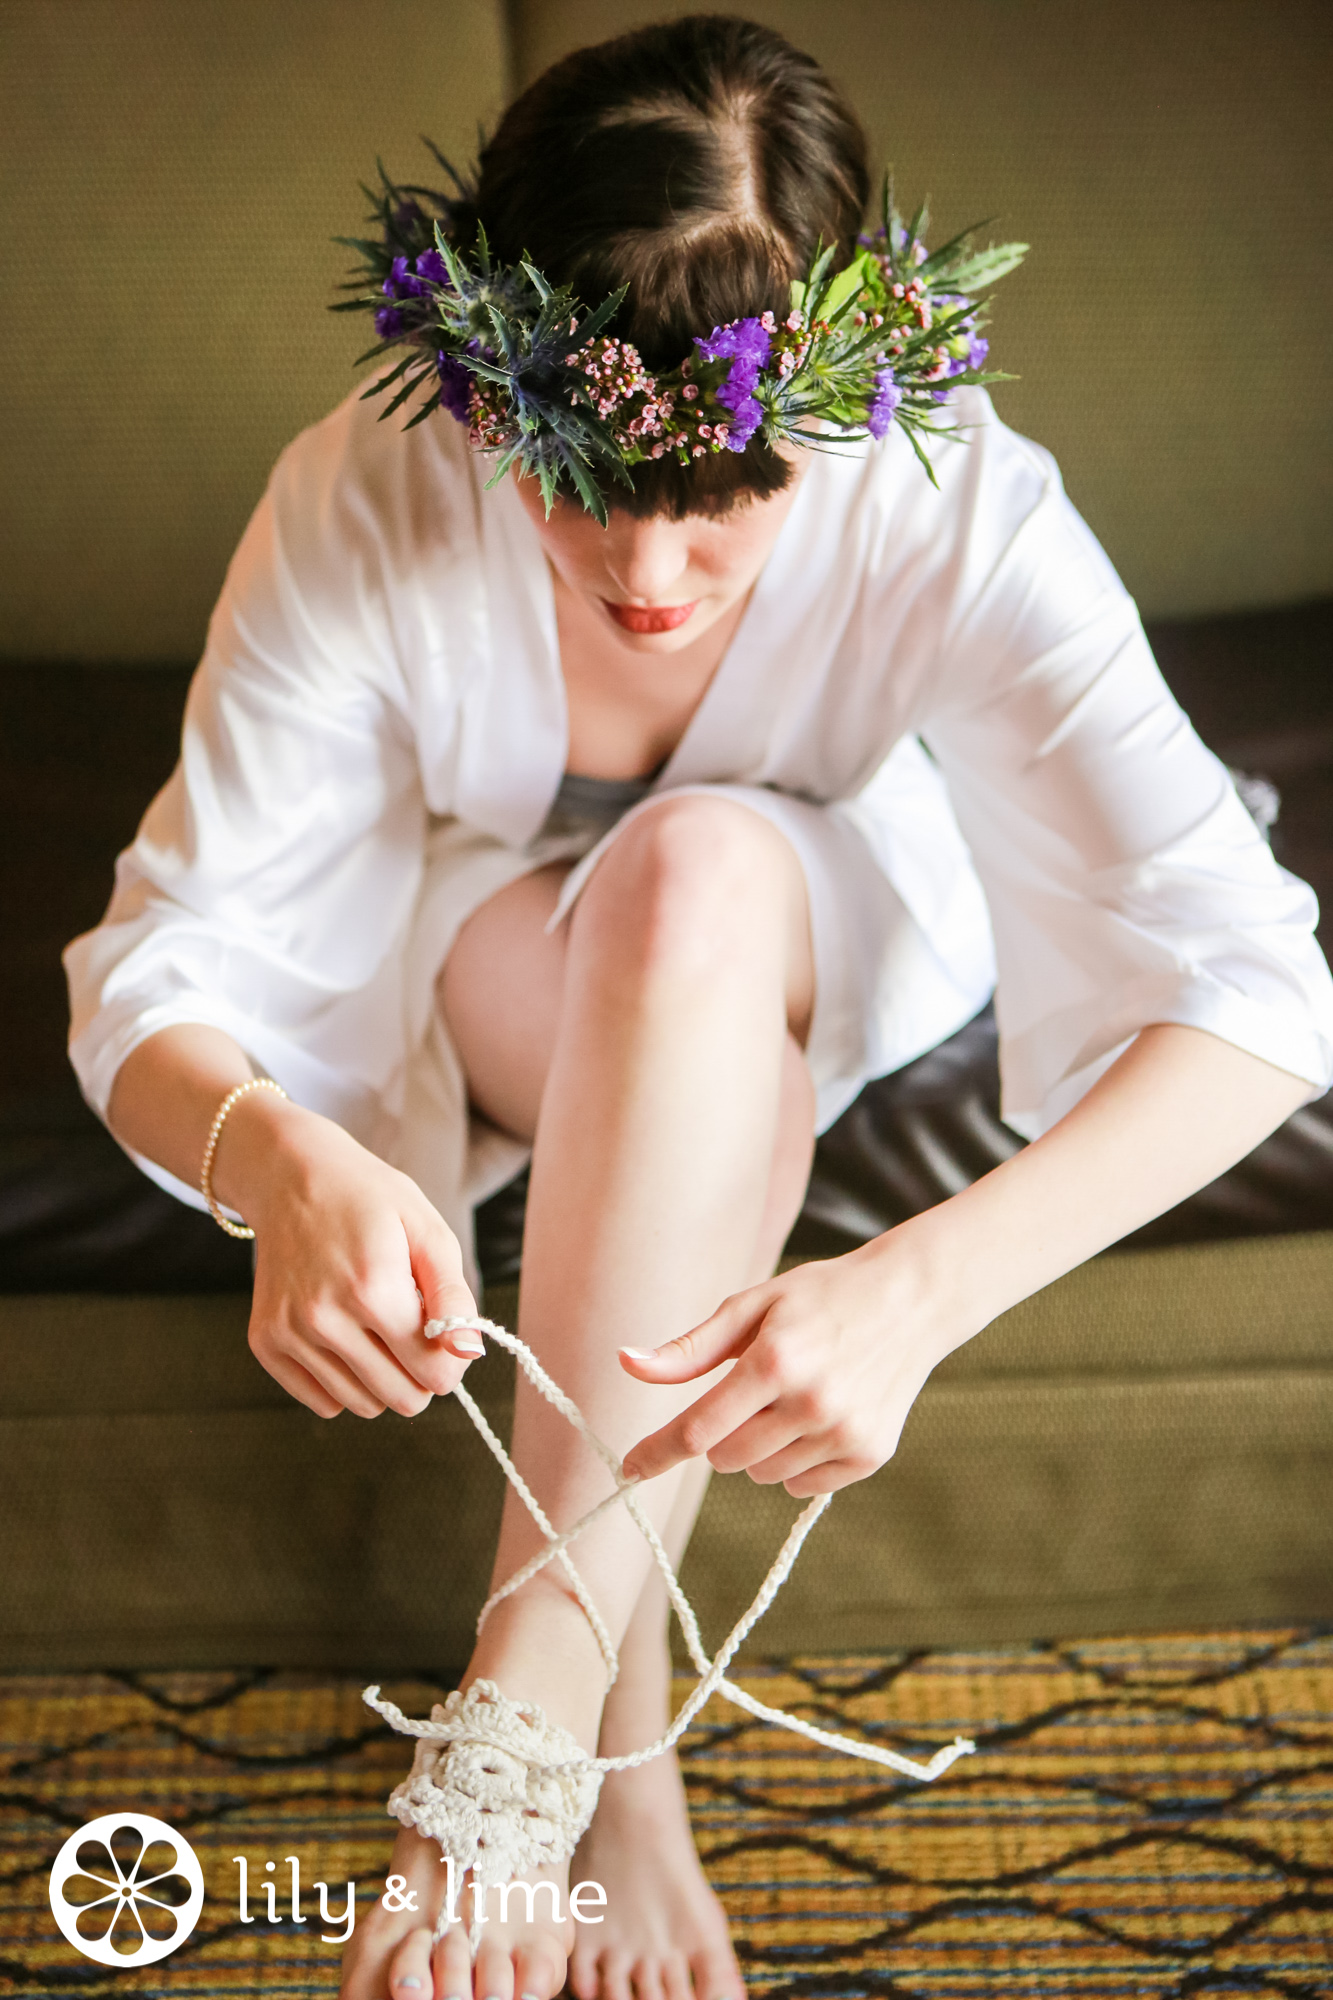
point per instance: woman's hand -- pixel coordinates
(351, 1260)
(829, 1359)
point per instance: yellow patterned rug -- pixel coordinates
(1145, 1816)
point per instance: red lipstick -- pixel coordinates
(649, 617)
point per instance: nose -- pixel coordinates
(647, 559)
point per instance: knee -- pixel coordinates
(687, 886)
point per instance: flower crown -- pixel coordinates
(539, 381)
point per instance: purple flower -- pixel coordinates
(400, 284)
(742, 340)
(455, 385)
(745, 343)
(978, 348)
(430, 264)
(388, 322)
(886, 400)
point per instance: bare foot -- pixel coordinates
(665, 1934)
(522, 1955)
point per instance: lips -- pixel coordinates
(649, 617)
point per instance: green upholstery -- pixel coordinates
(173, 174)
(1144, 1444)
(1170, 166)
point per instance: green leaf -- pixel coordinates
(448, 165)
(988, 266)
(406, 393)
(587, 491)
(909, 431)
(423, 413)
(593, 324)
(938, 258)
(383, 382)
(848, 284)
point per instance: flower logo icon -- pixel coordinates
(126, 1889)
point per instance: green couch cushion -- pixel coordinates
(1146, 1443)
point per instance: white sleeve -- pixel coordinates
(273, 878)
(1127, 884)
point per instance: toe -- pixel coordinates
(452, 1965)
(615, 1970)
(584, 1979)
(647, 1980)
(537, 1974)
(493, 1973)
(409, 1968)
(717, 1976)
(676, 1981)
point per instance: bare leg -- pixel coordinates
(665, 1934)
(657, 1127)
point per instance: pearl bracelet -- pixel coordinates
(206, 1170)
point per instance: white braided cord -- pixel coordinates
(712, 1672)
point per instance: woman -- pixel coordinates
(499, 828)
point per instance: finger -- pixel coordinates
(301, 1384)
(830, 1477)
(438, 1361)
(437, 1266)
(704, 1424)
(696, 1353)
(800, 1455)
(771, 1432)
(338, 1351)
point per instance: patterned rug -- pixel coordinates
(1145, 1816)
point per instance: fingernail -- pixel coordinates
(467, 1342)
(639, 1353)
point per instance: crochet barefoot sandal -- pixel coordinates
(501, 1787)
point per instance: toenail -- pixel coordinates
(411, 1980)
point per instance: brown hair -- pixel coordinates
(700, 163)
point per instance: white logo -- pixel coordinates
(126, 1889)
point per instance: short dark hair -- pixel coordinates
(699, 162)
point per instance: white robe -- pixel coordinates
(378, 728)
